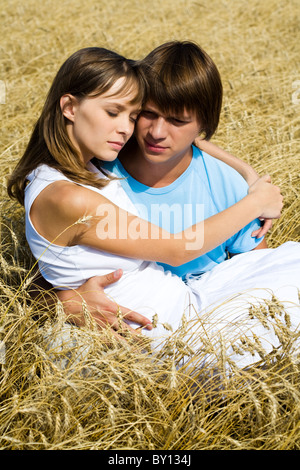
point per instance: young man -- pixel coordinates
(173, 183)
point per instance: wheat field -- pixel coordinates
(86, 393)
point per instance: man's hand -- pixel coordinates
(104, 311)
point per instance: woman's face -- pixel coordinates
(100, 126)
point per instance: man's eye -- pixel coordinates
(178, 122)
(148, 114)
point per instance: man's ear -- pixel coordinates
(67, 105)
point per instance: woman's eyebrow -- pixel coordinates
(116, 105)
(121, 107)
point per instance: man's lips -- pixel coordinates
(152, 146)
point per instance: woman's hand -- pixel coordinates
(264, 229)
(268, 196)
(246, 171)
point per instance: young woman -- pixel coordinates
(80, 222)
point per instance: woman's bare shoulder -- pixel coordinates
(68, 197)
(60, 205)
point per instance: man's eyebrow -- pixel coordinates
(183, 118)
(179, 117)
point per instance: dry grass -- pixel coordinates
(120, 397)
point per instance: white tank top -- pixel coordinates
(144, 287)
(70, 266)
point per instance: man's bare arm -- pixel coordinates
(104, 311)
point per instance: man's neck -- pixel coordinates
(155, 175)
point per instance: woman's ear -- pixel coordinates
(67, 106)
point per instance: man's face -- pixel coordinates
(165, 138)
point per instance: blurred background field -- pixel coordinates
(256, 48)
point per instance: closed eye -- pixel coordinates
(148, 114)
(178, 122)
(134, 117)
(112, 113)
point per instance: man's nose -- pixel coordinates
(158, 128)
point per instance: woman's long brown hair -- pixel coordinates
(88, 72)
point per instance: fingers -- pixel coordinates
(110, 278)
(264, 178)
(100, 282)
(115, 316)
(104, 311)
(113, 312)
(136, 318)
(264, 229)
(117, 319)
(111, 307)
(117, 324)
(267, 178)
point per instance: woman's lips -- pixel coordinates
(116, 145)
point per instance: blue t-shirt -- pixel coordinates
(207, 186)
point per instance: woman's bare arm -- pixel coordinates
(68, 214)
(245, 170)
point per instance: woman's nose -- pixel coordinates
(126, 126)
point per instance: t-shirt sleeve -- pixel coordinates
(229, 187)
(243, 241)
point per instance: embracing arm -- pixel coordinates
(104, 311)
(69, 214)
(245, 170)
